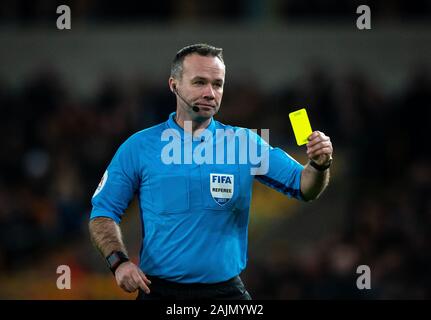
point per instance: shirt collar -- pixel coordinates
(174, 125)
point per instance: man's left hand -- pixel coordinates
(319, 148)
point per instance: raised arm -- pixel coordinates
(315, 176)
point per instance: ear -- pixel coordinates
(172, 84)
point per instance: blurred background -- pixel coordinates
(69, 98)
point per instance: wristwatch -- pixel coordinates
(115, 259)
(319, 167)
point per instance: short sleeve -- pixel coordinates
(118, 184)
(281, 172)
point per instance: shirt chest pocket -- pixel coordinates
(170, 193)
(221, 187)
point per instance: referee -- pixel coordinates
(194, 192)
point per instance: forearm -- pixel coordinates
(106, 235)
(313, 182)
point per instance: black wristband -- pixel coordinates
(115, 259)
(318, 167)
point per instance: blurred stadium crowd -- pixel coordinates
(56, 146)
(25, 12)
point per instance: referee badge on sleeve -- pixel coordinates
(221, 187)
(101, 183)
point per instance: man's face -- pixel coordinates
(202, 85)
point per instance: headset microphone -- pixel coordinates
(193, 107)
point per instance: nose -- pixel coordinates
(209, 92)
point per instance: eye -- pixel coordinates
(199, 82)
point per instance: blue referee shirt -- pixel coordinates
(194, 215)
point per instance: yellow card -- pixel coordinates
(301, 126)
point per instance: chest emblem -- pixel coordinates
(222, 187)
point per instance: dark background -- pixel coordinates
(69, 98)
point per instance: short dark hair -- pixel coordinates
(202, 49)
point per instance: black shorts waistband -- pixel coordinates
(159, 282)
(161, 289)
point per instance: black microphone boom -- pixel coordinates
(193, 107)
